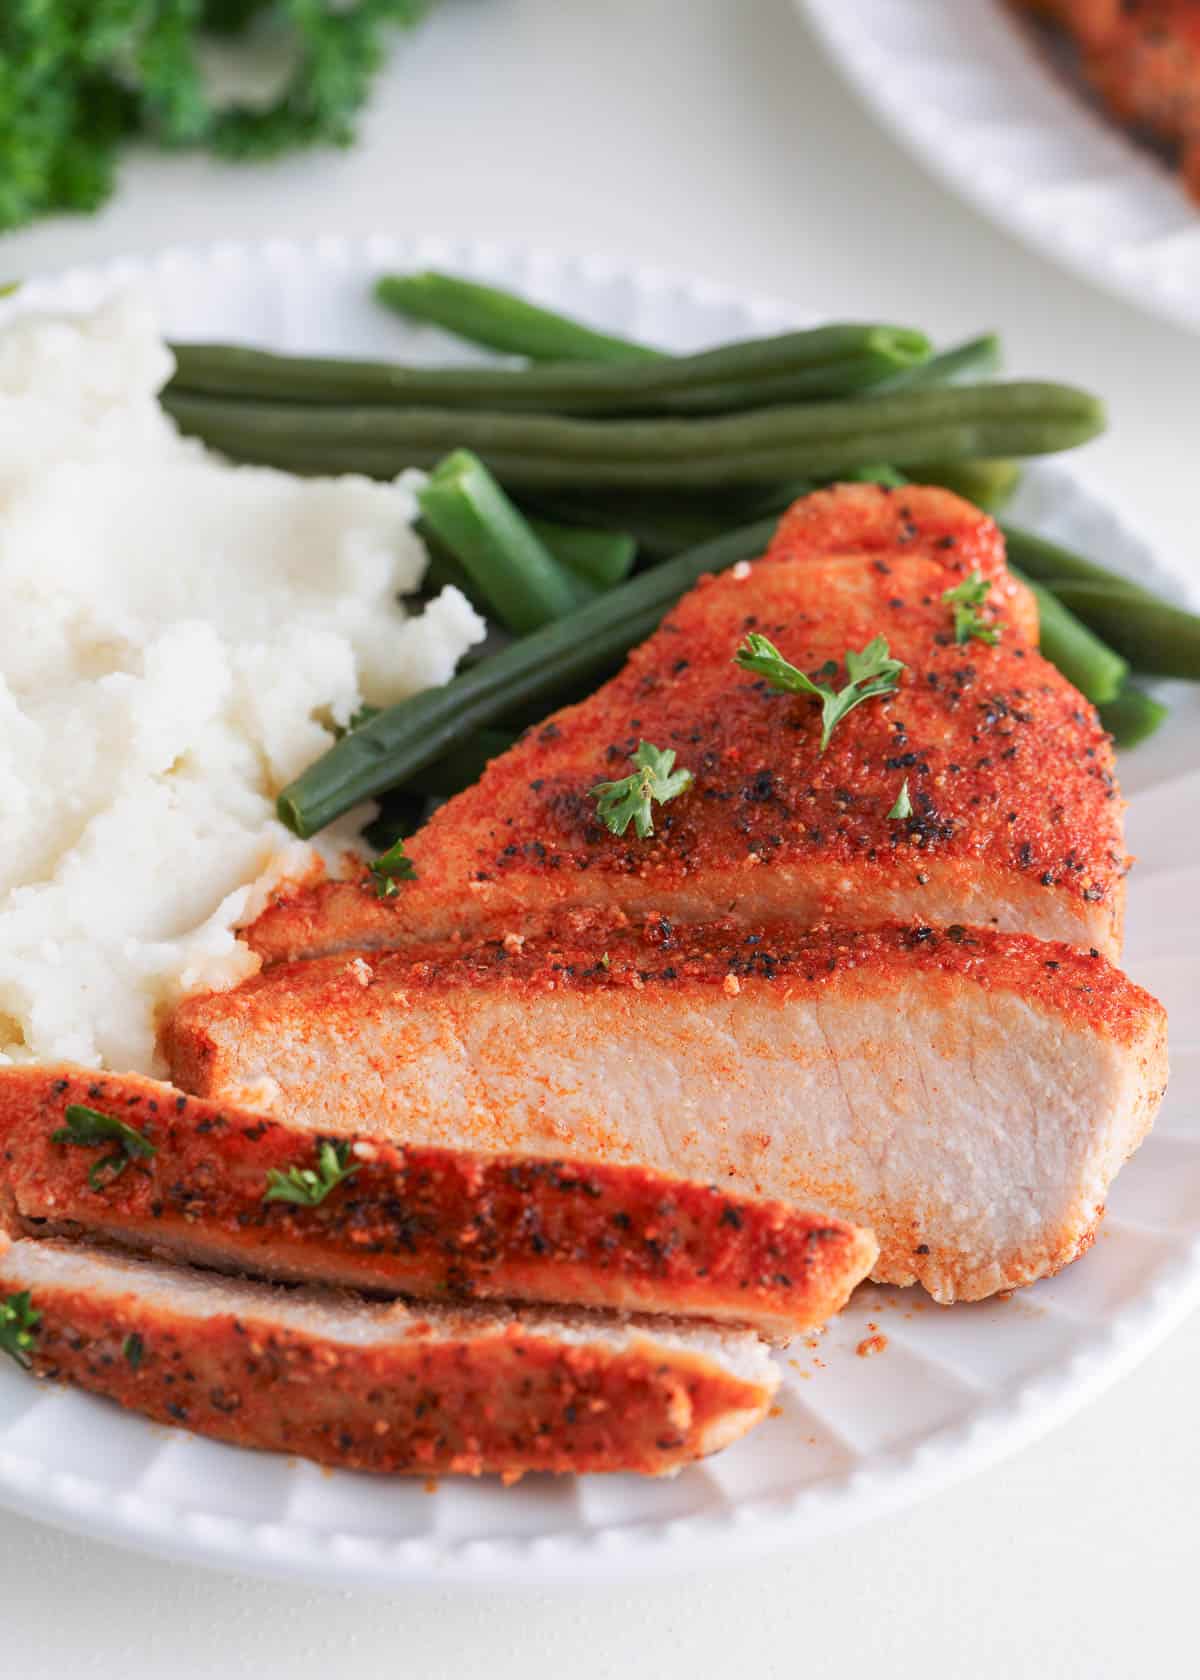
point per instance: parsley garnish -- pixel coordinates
(903, 806)
(19, 1319)
(133, 1350)
(394, 865)
(966, 599)
(93, 1130)
(871, 672)
(305, 1187)
(630, 800)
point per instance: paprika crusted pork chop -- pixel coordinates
(967, 1094)
(1015, 820)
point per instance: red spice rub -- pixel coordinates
(396, 1390)
(421, 1221)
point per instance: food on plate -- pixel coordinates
(968, 1095)
(381, 1386)
(780, 956)
(1015, 821)
(1143, 59)
(180, 638)
(137, 1162)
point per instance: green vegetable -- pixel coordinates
(975, 359)
(19, 1319)
(764, 447)
(305, 1187)
(989, 484)
(1047, 562)
(902, 809)
(402, 740)
(966, 599)
(631, 799)
(1097, 672)
(464, 766)
(494, 543)
(1155, 637)
(1132, 717)
(90, 1129)
(395, 865)
(376, 397)
(133, 1350)
(600, 557)
(871, 673)
(502, 320)
(78, 78)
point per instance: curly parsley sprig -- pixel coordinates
(966, 599)
(871, 673)
(631, 800)
(19, 1319)
(306, 1187)
(392, 866)
(90, 1129)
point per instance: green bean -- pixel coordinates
(502, 320)
(1156, 638)
(1132, 717)
(604, 558)
(463, 765)
(495, 544)
(528, 452)
(403, 739)
(989, 484)
(1048, 562)
(824, 362)
(975, 359)
(1096, 671)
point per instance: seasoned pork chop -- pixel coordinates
(1015, 824)
(454, 1223)
(384, 1387)
(966, 1093)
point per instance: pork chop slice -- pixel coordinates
(969, 1095)
(436, 1223)
(1015, 822)
(380, 1386)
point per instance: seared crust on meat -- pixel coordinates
(967, 1094)
(1016, 821)
(434, 1223)
(385, 1387)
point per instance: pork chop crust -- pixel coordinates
(1016, 821)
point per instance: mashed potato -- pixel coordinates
(177, 638)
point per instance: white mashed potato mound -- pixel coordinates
(177, 636)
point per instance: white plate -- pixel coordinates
(969, 87)
(956, 1387)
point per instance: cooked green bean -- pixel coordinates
(975, 359)
(1132, 717)
(495, 544)
(604, 558)
(1097, 672)
(502, 320)
(823, 362)
(1156, 638)
(463, 765)
(766, 447)
(402, 740)
(989, 484)
(1047, 562)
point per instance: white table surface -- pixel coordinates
(709, 137)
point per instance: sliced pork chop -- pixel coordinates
(1015, 823)
(381, 1386)
(967, 1094)
(453, 1223)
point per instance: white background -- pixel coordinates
(712, 138)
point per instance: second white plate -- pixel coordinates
(964, 84)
